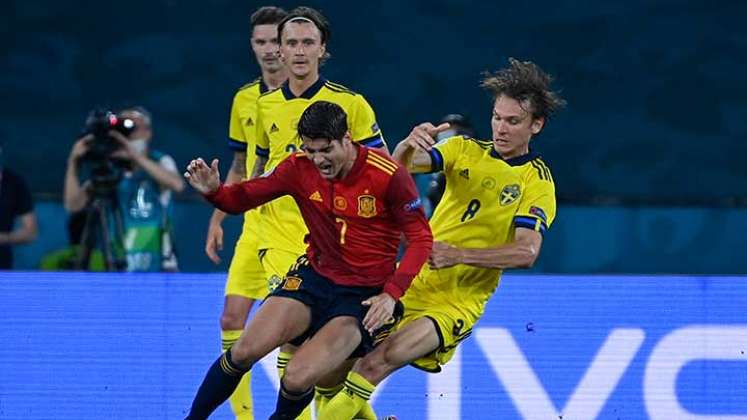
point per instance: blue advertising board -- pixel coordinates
(113, 346)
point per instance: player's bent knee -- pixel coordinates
(298, 377)
(231, 322)
(244, 353)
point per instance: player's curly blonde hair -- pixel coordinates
(527, 83)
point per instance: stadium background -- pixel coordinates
(647, 158)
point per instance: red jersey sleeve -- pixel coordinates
(407, 210)
(246, 195)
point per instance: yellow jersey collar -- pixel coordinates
(307, 94)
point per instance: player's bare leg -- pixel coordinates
(413, 341)
(279, 320)
(324, 352)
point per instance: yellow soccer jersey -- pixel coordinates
(276, 136)
(486, 199)
(241, 129)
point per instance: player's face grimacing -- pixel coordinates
(301, 48)
(331, 157)
(513, 127)
(266, 48)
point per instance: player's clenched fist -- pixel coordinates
(205, 179)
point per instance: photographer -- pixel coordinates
(15, 206)
(130, 183)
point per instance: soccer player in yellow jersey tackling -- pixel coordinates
(304, 35)
(498, 203)
(246, 281)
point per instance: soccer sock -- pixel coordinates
(366, 412)
(323, 395)
(241, 399)
(348, 403)
(283, 359)
(219, 383)
(291, 404)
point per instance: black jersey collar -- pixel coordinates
(262, 86)
(518, 160)
(307, 94)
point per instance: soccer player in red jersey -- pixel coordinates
(356, 203)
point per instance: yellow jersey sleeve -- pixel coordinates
(363, 126)
(262, 140)
(446, 153)
(236, 138)
(537, 208)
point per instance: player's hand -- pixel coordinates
(444, 255)
(380, 310)
(423, 136)
(205, 179)
(214, 241)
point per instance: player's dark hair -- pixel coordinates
(525, 81)
(302, 13)
(323, 120)
(267, 15)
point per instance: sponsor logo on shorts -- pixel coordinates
(292, 283)
(273, 282)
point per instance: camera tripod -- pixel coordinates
(103, 230)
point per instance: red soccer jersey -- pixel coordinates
(354, 223)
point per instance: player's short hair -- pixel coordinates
(525, 81)
(323, 120)
(306, 14)
(267, 15)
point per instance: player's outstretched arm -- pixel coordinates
(214, 238)
(521, 253)
(413, 151)
(205, 179)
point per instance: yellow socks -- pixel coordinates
(323, 395)
(347, 404)
(241, 399)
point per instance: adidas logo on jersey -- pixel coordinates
(249, 122)
(464, 173)
(316, 197)
(274, 128)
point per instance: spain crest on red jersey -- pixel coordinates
(366, 206)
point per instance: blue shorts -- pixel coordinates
(328, 300)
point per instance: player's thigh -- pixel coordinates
(325, 351)
(410, 342)
(277, 321)
(276, 264)
(246, 275)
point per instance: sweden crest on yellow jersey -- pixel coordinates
(509, 194)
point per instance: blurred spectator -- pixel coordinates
(459, 125)
(128, 188)
(15, 202)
